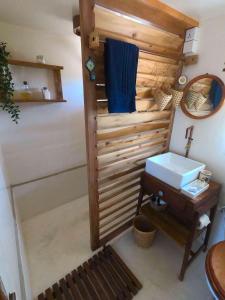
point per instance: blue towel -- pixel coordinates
(121, 60)
(215, 94)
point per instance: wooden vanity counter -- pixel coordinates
(181, 217)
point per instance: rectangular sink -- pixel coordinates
(173, 169)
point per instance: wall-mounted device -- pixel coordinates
(191, 41)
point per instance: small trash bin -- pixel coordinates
(144, 232)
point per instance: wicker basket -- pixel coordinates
(162, 98)
(200, 101)
(144, 232)
(192, 98)
(176, 97)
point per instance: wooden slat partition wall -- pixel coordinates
(118, 144)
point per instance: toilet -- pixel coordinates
(215, 270)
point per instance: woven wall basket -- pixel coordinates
(162, 99)
(176, 97)
(192, 98)
(200, 101)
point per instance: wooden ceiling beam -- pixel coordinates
(153, 11)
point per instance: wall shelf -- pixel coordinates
(56, 70)
(30, 64)
(39, 101)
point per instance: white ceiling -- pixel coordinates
(199, 9)
(56, 15)
(49, 15)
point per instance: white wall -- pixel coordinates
(9, 260)
(49, 138)
(209, 134)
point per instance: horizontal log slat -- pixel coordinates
(130, 159)
(118, 184)
(134, 30)
(111, 212)
(154, 12)
(105, 178)
(126, 152)
(121, 214)
(115, 226)
(135, 140)
(119, 200)
(117, 192)
(121, 120)
(142, 105)
(123, 197)
(150, 47)
(132, 130)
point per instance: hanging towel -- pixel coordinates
(215, 94)
(121, 60)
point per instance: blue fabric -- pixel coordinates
(121, 60)
(215, 94)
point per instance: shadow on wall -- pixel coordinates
(9, 257)
(42, 195)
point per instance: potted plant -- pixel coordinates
(7, 86)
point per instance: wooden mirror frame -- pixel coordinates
(186, 89)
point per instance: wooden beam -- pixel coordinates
(190, 60)
(153, 11)
(87, 26)
(188, 21)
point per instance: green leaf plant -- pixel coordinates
(7, 86)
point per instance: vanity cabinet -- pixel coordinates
(180, 220)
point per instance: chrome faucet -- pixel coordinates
(188, 135)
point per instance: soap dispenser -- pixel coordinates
(26, 93)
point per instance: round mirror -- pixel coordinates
(203, 96)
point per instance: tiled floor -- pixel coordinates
(58, 241)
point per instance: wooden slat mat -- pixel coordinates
(103, 277)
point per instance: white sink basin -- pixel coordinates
(173, 169)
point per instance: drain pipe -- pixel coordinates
(188, 136)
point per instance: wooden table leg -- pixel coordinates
(209, 228)
(140, 198)
(188, 247)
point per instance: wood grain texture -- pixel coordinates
(180, 220)
(33, 64)
(136, 31)
(103, 277)
(87, 21)
(120, 143)
(161, 15)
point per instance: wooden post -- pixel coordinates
(188, 247)
(58, 85)
(87, 23)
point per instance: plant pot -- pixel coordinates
(144, 232)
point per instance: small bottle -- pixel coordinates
(26, 93)
(40, 59)
(46, 93)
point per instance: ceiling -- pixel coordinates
(50, 15)
(198, 9)
(56, 15)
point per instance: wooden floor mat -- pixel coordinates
(103, 277)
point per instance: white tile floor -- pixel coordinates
(58, 241)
